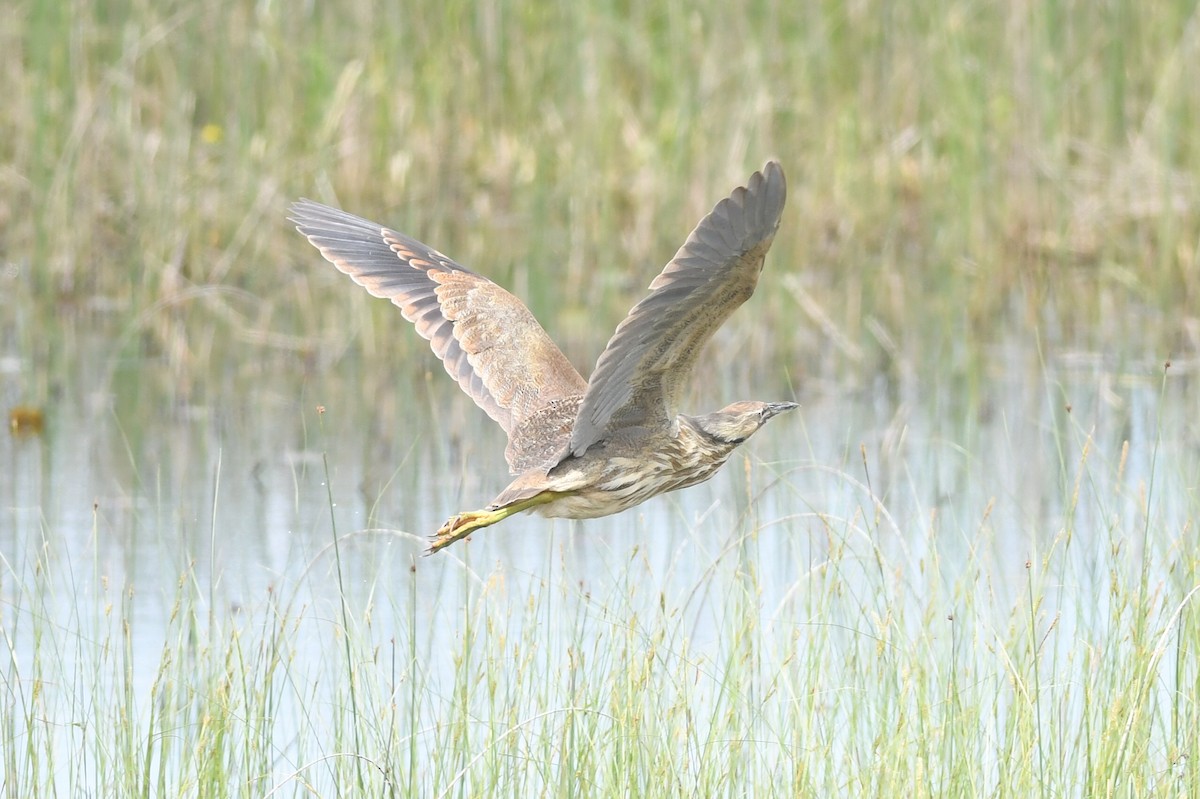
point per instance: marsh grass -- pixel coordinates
(957, 171)
(953, 166)
(844, 670)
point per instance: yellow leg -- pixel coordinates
(463, 524)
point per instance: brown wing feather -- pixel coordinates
(487, 339)
(640, 376)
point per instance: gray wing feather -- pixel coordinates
(641, 375)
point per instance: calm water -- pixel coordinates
(144, 478)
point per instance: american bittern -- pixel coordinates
(581, 449)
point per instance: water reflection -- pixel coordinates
(134, 490)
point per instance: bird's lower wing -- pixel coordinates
(487, 339)
(643, 371)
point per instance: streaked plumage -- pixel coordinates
(581, 449)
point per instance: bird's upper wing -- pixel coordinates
(486, 338)
(641, 374)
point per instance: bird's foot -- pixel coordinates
(460, 526)
(463, 524)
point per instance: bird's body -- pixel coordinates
(622, 471)
(580, 449)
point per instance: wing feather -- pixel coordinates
(641, 375)
(486, 338)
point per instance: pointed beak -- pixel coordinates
(776, 408)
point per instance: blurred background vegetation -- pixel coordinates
(993, 212)
(959, 171)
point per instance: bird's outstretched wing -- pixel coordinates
(641, 374)
(487, 339)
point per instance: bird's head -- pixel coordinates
(736, 422)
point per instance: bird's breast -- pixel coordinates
(594, 487)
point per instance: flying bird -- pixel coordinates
(579, 448)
